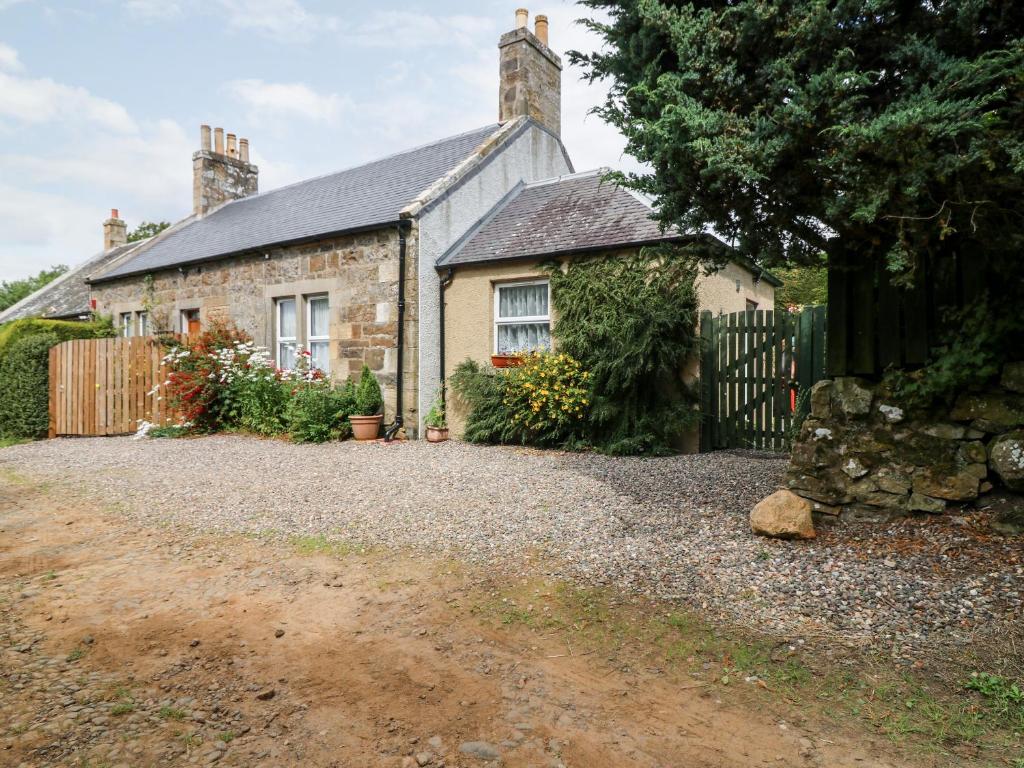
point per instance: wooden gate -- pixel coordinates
(755, 366)
(105, 386)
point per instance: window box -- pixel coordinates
(506, 361)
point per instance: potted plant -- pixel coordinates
(506, 358)
(369, 407)
(437, 423)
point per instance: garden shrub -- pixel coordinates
(631, 321)
(369, 400)
(63, 330)
(543, 402)
(24, 386)
(317, 413)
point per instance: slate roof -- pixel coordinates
(68, 295)
(358, 198)
(563, 215)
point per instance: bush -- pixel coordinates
(483, 393)
(64, 330)
(317, 413)
(25, 387)
(261, 402)
(369, 400)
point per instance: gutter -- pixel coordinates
(396, 425)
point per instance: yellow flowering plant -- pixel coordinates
(547, 398)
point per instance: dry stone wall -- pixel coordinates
(862, 456)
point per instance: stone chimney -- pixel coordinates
(115, 231)
(220, 173)
(531, 75)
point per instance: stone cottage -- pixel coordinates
(350, 265)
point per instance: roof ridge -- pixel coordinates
(568, 176)
(383, 158)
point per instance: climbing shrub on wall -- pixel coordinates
(631, 321)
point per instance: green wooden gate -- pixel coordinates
(755, 366)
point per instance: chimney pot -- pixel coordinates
(243, 150)
(113, 213)
(232, 145)
(204, 138)
(542, 29)
(218, 140)
(522, 18)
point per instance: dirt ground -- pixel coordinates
(124, 646)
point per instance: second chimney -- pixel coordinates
(115, 231)
(530, 75)
(222, 173)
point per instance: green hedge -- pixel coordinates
(25, 370)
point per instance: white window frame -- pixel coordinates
(142, 324)
(183, 318)
(278, 338)
(310, 338)
(526, 320)
(125, 328)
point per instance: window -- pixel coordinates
(142, 323)
(522, 320)
(751, 305)
(318, 321)
(190, 322)
(126, 324)
(287, 338)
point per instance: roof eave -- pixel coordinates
(445, 266)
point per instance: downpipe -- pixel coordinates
(395, 427)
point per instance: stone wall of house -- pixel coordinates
(358, 273)
(862, 456)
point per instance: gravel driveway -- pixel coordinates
(670, 527)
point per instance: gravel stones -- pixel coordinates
(674, 528)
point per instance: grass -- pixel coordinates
(125, 704)
(171, 713)
(7, 442)
(322, 545)
(985, 714)
(76, 654)
(227, 736)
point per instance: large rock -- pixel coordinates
(821, 400)
(851, 396)
(990, 411)
(783, 515)
(1006, 459)
(952, 485)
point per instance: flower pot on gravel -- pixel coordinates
(506, 361)
(366, 427)
(437, 434)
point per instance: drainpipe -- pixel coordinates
(446, 280)
(396, 425)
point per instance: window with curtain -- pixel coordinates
(522, 318)
(318, 332)
(287, 340)
(142, 323)
(126, 324)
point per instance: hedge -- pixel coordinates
(25, 370)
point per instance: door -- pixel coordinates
(190, 322)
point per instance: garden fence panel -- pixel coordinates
(106, 386)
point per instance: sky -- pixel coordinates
(101, 101)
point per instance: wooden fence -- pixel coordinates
(873, 324)
(754, 367)
(105, 386)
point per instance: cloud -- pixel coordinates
(153, 10)
(9, 59)
(44, 100)
(5, 4)
(404, 29)
(283, 20)
(286, 99)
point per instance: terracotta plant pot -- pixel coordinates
(366, 427)
(506, 361)
(437, 434)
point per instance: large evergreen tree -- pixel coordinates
(877, 129)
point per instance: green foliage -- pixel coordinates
(801, 286)
(369, 400)
(171, 432)
(13, 291)
(483, 393)
(316, 413)
(981, 338)
(261, 402)
(146, 230)
(64, 330)
(24, 387)
(631, 321)
(436, 415)
(547, 399)
(1004, 696)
